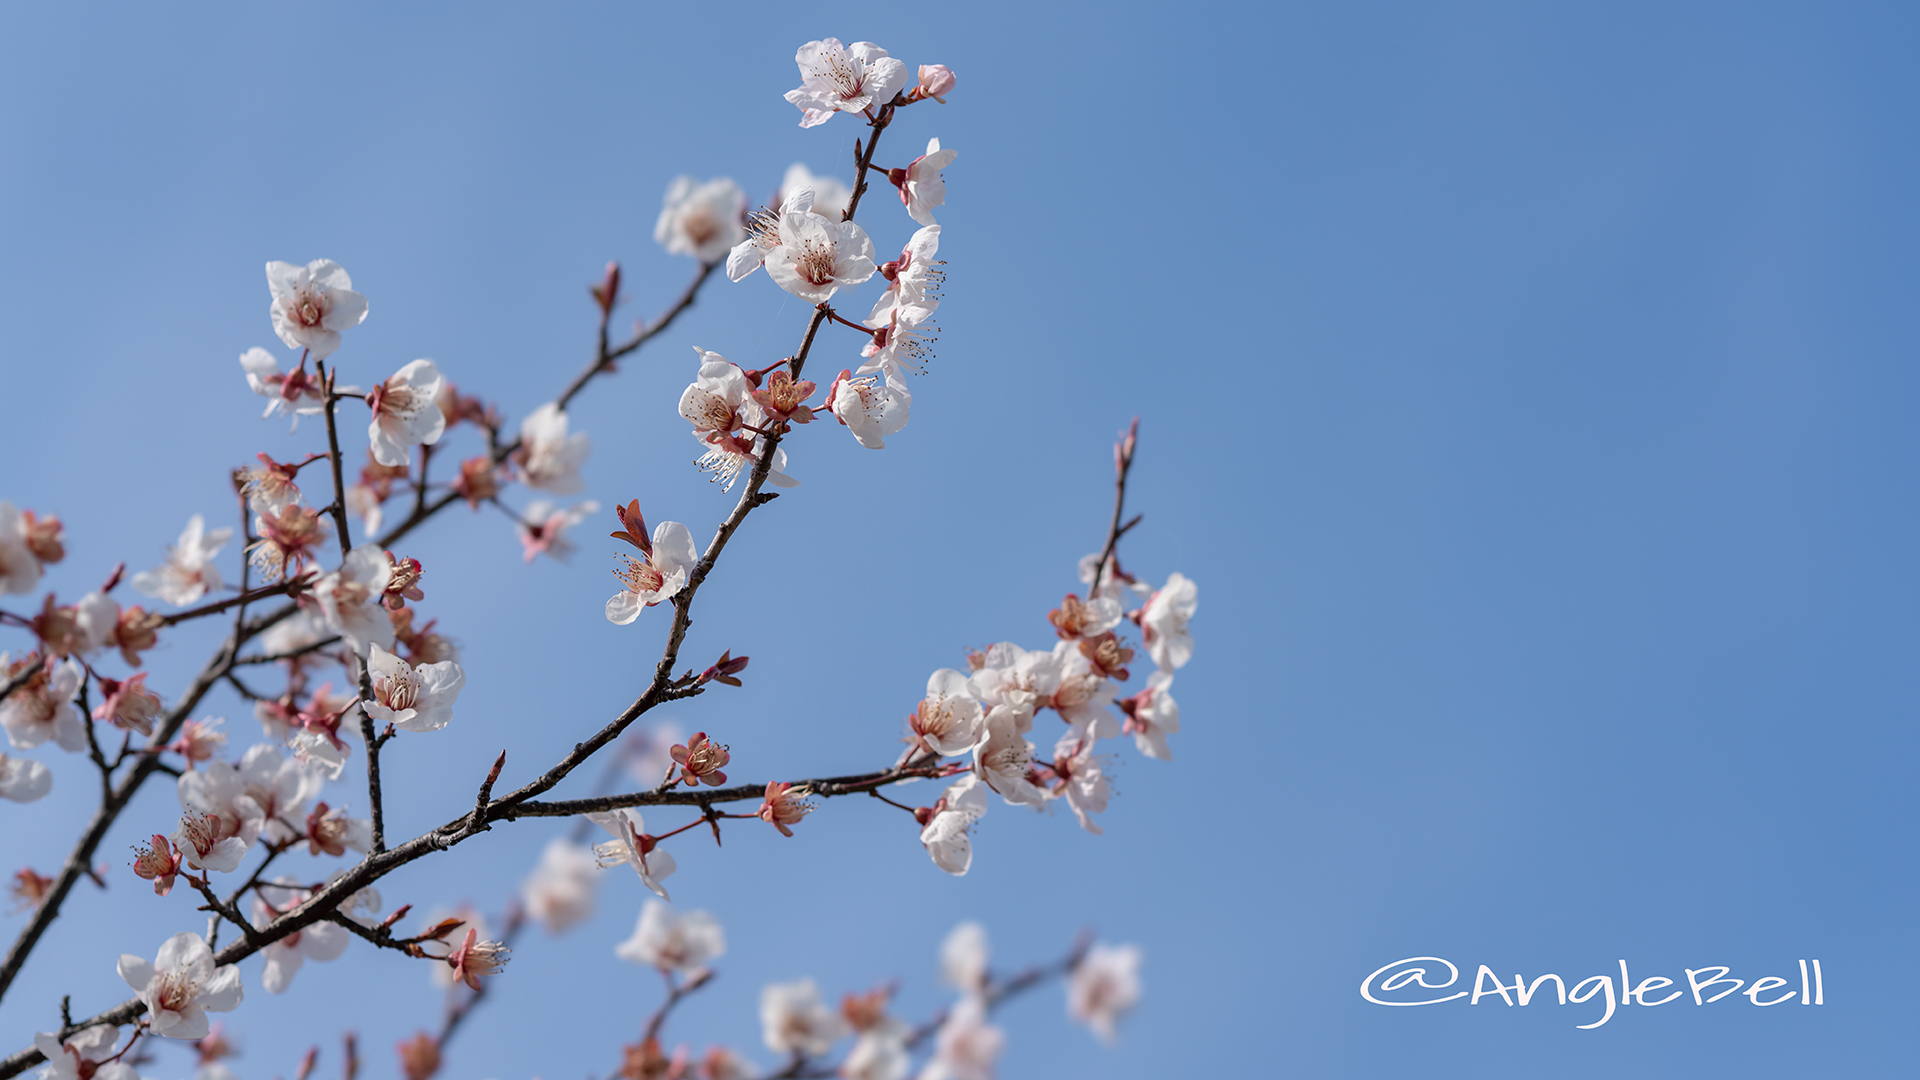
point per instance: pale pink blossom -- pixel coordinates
(19, 568)
(815, 256)
(297, 392)
(1075, 618)
(719, 404)
(660, 577)
(701, 219)
(1079, 777)
(475, 959)
(542, 528)
(273, 486)
(1152, 714)
(902, 339)
(181, 985)
(128, 704)
(199, 740)
(950, 820)
(24, 780)
(784, 805)
(685, 942)
(876, 1055)
(1004, 759)
(352, 598)
(870, 408)
(42, 707)
(412, 698)
(840, 78)
(99, 618)
(332, 831)
(794, 1020)
(1079, 692)
(559, 892)
(214, 842)
(312, 304)
(967, 1046)
(963, 957)
(935, 81)
(470, 918)
(1163, 622)
(915, 279)
(633, 847)
(948, 720)
(549, 457)
(321, 941)
(85, 1055)
(266, 787)
(1104, 986)
(189, 572)
(404, 413)
(921, 185)
(286, 541)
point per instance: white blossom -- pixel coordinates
(404, 413)
(921, 186)
(966, 1046)
(42, 708)
(189, 572)
(298, 392)
(914, 279)
(816, 256)
(839, 78)
(1082, 780)
(870, 408)
(350, 598)
(673, 941)
(215, 841)
(265, 787)
(793, 1019)
(1152, 714)
(549, 457)
(1104, 986)
(632, 846)
(19, 568)
(659, 578)
(903, 338)
(701, 220)
(945, 835)
(543, 526)
(408, 697)
(83, 1056)
(24, 780)
(320, 941)
(1004, 759)
(1163, 622)
(876, 1055)
(312, 304)
(948, 720)
(963, 957)
(559, 892)
(181, 985)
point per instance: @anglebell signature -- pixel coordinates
(1412, 982)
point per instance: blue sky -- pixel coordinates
(1523, 386)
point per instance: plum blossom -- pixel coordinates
(1152, 714)
(1079, 693)
(24, 780)
(914, 279)
(468, 917)
(351, 599)
(784, 805)
(475, 959)
(944, 833)
(297, 392)
(559, 892)
(963, 957)
(1104, 986)
(816, 256)
(404, 413)
(543, 527)
(948, 720)
(214, 842)
(265, 787)
(701, 760)
(320, 941)
(189, 572)
(794, 1020)
(85, 1055)
(412, 698)
(132, 630)
(42, 707)
(876, 1055)
(631, 845)
(669, 561)
(936, 81)
(839, 78)
(673, 941)
(921, 186)
(870, 408)
(312, 304)
(273, 486)
(966, 1046)
(286, 541)
(701, 220)
(903, 339)
(128, 705)
(1075, 618)
(1163, 622)
(419, 1056)
(719, 401)
(181, 985)
(19, 567)
(1004, 759)
(199, 740)
(763, 231)
(159, 863)
(1079, 777)
(549, 457)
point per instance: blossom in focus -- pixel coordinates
(632, 846)
(1080, 779)
(297, 391)
(903, 339)
(946, 828)
(816, 256)
(963, 957)
(1004, 759)
(784, 397)
(701, 220)
(214, 842)
(83, 1056)
(352, 601)
(128, 705)
(921, 186)
(312, 304)
(935, 81)
(1104, 986)
(181, 985)
(559, 892)
(673, 941)
(405, 413)
(914, 279)
(189, 572)
(840, 78)
(763, 232)
(966, 1046)
(700, 760)
(783, 805)
(320, 941)
(870, 408)
(1152, 714)
(794, 1020)
(1163, 622)
(718, 401)
(474, 959)
(549, 457)
(19, 568)
(42, 707)
(467, 917)
(543, 526)
(159, 863)
(23, 780)
(948, 720)
(286, 542)
(669, 561)
(412, 698)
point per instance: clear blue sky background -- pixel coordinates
(1528, 388)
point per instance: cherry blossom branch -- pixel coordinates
(290, 585)
(1122, 465)
(24, 676)
(824, 788)
(291, 654)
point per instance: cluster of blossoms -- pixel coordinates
(398, 674)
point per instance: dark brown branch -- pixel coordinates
(232, 601)
(292, 654)
(1122, 465)
(825, 788)
(21, 679)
